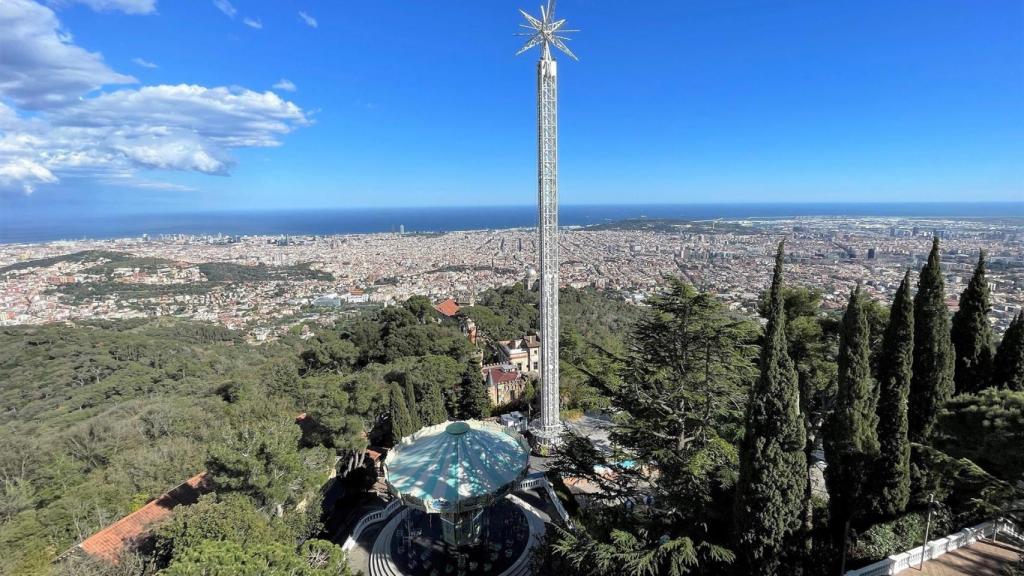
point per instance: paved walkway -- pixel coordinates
(979, 559)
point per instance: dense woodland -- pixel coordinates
(98, 418)
(718, 420)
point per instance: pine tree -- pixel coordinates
(401, 421)
(895, 370)
(1008, 366)
(932, 383)
(414, 409)
(851, 441)
(433, 406)
(773, 466)
(260, 459)
(972, 335)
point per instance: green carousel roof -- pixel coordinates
(456, 466)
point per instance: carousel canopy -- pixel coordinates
(456, 466)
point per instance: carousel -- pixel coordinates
(455, 481)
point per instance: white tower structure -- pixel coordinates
(546, 32)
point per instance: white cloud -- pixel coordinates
(286, 85)
(8, 117)
(41, 68)
(171, 151)
(183, 127)
(144, 63)
(257, 23)
(52, 127)
(230, 116)
(309, 20)
(24, 173)
(131, 181)
(226, 7)
(126, 6)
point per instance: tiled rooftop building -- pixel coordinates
(504, 383)
(129, 532)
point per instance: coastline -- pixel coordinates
(32, 227)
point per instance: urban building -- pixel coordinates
(504, 383)
(523, 353)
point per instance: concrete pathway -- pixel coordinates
(984, 558)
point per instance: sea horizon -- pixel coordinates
(50, 226)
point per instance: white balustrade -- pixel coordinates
(539, 480)
(935, 548)
(371, 518)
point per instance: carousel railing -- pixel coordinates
(369, 519)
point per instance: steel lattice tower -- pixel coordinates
(546, 32)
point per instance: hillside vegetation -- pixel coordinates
(98, 418)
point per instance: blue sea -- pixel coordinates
(44, 227)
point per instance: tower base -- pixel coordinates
(544, 438)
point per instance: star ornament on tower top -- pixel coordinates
(545, 32)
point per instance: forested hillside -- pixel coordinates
(96, 419)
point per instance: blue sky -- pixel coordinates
(142, 105)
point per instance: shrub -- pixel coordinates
(572, 415)
(896, 536)
(971, 494)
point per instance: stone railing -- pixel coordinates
(532, 481)
(935, 548)
(539, 480)
(371, 518)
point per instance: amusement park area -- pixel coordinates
(466, 497)
(457, 498)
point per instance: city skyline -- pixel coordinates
(781, 103)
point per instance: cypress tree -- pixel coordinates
(414, 410)
(773, 466)
(895, 371)
(473, 399)
(1008, 366)
(851, 441)
(401, 421)
(972, 335)
(433, 406)
(932, 383)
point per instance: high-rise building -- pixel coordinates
(545, 32)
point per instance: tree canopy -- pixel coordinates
(932, 381)
(851, 441)
(680, 402)
(972, 335)
(773, 465)
(892, 478)
(1008, 365)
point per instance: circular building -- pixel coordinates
(456, 470)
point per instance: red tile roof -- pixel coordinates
(449, 307)
(127, 532)
(500, 375)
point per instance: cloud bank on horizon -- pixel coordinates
(65, 113)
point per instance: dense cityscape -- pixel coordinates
(630, 258)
